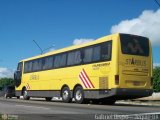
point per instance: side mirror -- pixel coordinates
(17, 74)
(18, 71)
(17, 77)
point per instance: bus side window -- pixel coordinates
(96, 53)
(70, 59)
(57, 61)
(74, 58)
(63, 60)
(91, 54)
(47, 62)
(106, 49)
(78, 57)
(26, 67)
(35, 65)
(39, 64)
(88, 52)
(60, 60)
(30, 66)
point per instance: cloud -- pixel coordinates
(5, 72)
(52, 49)
(81, 41)
(147, 24)
(156, 65)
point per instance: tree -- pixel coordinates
(6, 81)
(156, 79)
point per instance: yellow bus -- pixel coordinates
(114, 67)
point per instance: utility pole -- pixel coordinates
(38, 46)
(42, 50)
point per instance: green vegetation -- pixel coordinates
(156, 79)
(6, 81)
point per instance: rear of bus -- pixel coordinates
(134, 78)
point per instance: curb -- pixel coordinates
(148, 103)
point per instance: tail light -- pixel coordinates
(117, 79)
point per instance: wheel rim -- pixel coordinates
(65, 94)
(25, 94)
(5, 95)
(78, 95)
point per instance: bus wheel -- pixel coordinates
(66, 95)
(18, 97)
(79, 95)
(48, 98)
(25, 95)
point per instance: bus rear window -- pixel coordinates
(134, 45)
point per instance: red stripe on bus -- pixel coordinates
(84, 78)
(88, 78)
(82, 81)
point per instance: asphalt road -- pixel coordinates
(40, 109)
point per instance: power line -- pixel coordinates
(48, 48)
(157, 2)
(42, 50)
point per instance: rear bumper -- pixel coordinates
(119, 93)
(122, 93)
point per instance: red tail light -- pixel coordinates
(117, 79)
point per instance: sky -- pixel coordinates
(63, 23)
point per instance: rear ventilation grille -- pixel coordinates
(103, 83)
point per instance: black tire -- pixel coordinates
(79, 95)
(18, 97)
(25, 94)
(66, 95)
(48, 98)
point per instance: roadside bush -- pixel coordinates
(156, 79)
(6, 82)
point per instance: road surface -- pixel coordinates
(40, 109)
